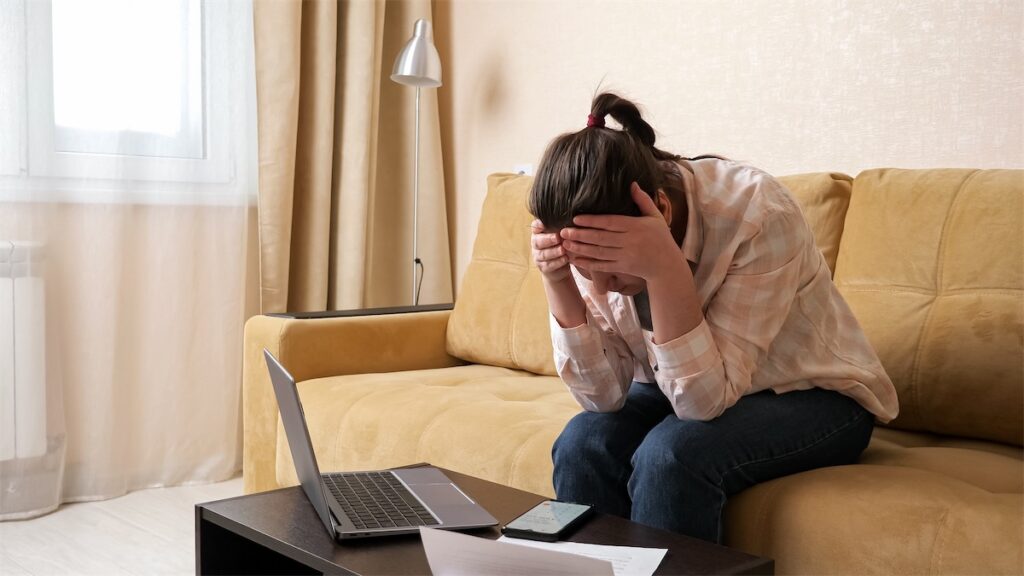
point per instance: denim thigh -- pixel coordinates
(592, 455)
(684, 470)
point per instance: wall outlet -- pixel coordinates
(523, 169)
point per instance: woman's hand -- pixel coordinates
(640, 246)
(548, 253)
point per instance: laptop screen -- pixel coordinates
(298, 438)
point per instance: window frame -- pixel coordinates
(189, 142)
(36, 171)
(46, 160)
(13, 130)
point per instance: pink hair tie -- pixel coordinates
(595, 121)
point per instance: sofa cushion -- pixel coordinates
(493, 423)
(500, 315)
(997, 468)
(916, 502)
(932, 264)
(872, 519)
(824, 198)
(500, 418)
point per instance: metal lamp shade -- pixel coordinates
(419, 64)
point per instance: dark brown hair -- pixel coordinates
(590, 171)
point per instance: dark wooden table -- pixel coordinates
(278, 532)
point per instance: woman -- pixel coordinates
(695, 321)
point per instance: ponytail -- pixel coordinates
(590, 171)
(628, 116)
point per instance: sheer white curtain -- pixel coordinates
(128, 178)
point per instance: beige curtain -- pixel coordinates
(336, 159)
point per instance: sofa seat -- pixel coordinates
(912, 495)
(502, 417)
(997, 468)
(494, 423)
(915, 503)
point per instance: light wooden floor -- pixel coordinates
(145, 532)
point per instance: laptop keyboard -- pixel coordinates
(377, 500)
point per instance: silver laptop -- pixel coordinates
(364, 504)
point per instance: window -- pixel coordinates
(133, 90)
(159, 93)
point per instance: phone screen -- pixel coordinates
(548, 517)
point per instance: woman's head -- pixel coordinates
(590, 171)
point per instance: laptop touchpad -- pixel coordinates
(441, 495)
(421, 475)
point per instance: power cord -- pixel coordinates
(419, 284)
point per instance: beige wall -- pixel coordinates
(790, 86)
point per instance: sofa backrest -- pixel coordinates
(501, 313)
(932, 264)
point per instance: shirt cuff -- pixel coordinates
(582, 338)
(689, 355)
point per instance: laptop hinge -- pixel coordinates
(333, 515)
(335, 524)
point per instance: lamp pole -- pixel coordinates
(418, 65)
(416, 207)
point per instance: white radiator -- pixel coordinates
(22, 351)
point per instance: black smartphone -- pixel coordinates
(548, 521)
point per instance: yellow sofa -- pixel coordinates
(932, 263)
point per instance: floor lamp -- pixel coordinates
(418, 65)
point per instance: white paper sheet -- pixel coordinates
(626, 560)
(455, 554)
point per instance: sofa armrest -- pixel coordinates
(326, 346)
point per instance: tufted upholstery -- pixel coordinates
(992, 467)
(824, 199)
(501, 308)
(930, 261)
(522, 414)
(313, 349)
(931, 264)
(878, 519)
(946, 309)
(916, 503)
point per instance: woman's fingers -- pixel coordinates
(550, 253)
(593, 236)
(541, 241)
(551, 265)
(593, 265)
(591, 251)
(611, 222)
(643, 201)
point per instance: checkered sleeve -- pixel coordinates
(708, 369)
(595, 364)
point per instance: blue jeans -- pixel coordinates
(646, 464)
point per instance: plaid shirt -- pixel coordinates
(773, 319)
